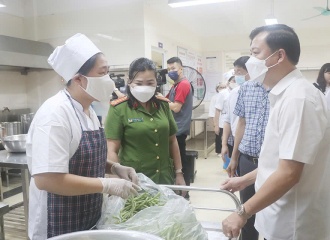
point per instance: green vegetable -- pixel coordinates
(135, 204)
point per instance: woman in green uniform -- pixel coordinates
(140, 128)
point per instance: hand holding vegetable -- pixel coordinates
(119, 187)
(127, 173)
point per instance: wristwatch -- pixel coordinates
(241, 212)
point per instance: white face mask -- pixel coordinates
(257, 68)
(100, 88)
(143, 93)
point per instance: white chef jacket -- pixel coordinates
(327, 97)
(220, 102)
(230, 104)
(298, 129)
(212, 106)
(53, 138)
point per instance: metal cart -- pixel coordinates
(213, 230)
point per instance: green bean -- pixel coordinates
(135, 204)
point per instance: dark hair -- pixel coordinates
(139, 65)
(87, 66)
(281, 36)
(174, 60)
(320, 79)
(240, 62)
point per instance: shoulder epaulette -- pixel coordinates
(162, 98)
(118, 101)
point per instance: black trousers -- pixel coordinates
(246, 165)
(218, 141)
(230, 150)
(186, 165)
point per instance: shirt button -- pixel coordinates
(157, 157)
(157, 171)
(151, 119)
(156, 130)
(156, 144)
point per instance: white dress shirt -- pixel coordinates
(298, 129)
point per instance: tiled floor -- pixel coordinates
(14, 220)
(209, 175)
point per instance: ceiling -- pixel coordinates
(241, 16)
(218, 19)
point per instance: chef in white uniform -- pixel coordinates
(67, 149)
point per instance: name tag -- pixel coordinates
(134, 120)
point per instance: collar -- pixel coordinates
(285, 82)
(180, 80)
(76, 104)
(137, 105)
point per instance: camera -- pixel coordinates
(119, 82)
(161, 77)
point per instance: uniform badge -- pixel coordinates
(134, 120)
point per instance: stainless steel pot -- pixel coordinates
(26, 120)
(10, 128)
(106, 235)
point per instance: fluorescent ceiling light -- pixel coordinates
(109, 37)
(185, 3)
(271, 21)
(2, 4)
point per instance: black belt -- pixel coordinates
(250, 158)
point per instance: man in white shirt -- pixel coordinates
(212, 109)
(220, 104)
(291, 200)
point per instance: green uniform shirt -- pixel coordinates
(144, 138)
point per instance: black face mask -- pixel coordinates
(173, 75)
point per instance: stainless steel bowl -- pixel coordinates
(106, 235)
(15, 143)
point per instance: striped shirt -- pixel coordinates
(253, 105)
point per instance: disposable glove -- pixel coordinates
(127, 173)
(119, 187)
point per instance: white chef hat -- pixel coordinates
(67, 59)
(228, 75)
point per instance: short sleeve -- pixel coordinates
(219, 101)
(50, 148)
(114, 127)
(225, 116)
(302, 124)
(181, 92)
(212, 106)
(240, 106)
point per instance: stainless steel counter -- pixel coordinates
(19, 161)
(200, 116)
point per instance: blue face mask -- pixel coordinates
(173, 75)
(240, 79)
